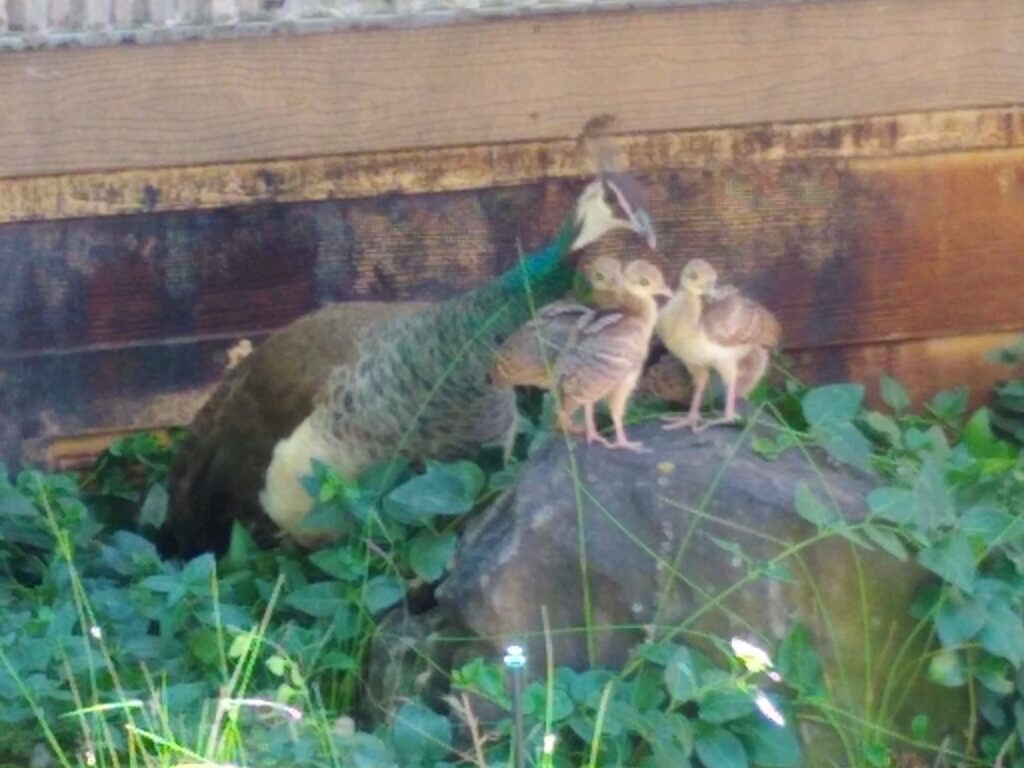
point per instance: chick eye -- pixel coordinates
(645, 282)
(599, 276)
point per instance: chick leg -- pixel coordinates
(617, 402)
(731, 378)
(591, 425)
(692, 418)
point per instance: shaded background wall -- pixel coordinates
(859, 167)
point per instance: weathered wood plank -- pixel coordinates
(451, 169)
(502, 81)
(846, 252)
(923, 366)
(62, 409)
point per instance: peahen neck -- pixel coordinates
(504, 303)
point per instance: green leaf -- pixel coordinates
(681, 676)
(1003, 634)
(444, 489)
(933, 500)
(949, 404)
(383, 592)
(769, 745)
(321, 600)
(419, 735)
(718, 748)
(994, 674)
(429, 554)
(887, 539)
(893, 393)
(343, 563)
(844, 443)
(812, 509)
(885, 426)
(919, 727)
(947, 669)
(988, 524)
(535, 701)
(720, 705)
(832, 403)
(952, 559)
(488, 679)
(958, 620)
(893, 504)
(798, 661)
(197, 572)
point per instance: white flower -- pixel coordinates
(549, 743)
(768, 708)
(96, 632)
(755, 659)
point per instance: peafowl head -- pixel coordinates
(642, 278)
(612, 201)
(698, 277)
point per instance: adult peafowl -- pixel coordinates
(362, 382)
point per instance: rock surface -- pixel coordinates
(676, 541)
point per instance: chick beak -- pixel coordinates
(664, 291)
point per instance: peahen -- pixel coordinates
(362, 382)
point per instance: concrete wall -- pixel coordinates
(44, 23)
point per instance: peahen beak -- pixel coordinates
(643, 226)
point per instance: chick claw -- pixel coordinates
(715, 423)
(680, 422)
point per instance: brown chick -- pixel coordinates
(527, 357)
(608, 355)
(707, 330)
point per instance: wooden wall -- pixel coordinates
(142, 237)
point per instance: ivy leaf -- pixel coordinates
(681, 676)
(429, 553)
(832, 403)
(958, 620)
(844, 443)
(887, 539)
(893, 393)
(812, 509)
(320, 600)
(383, 592)
(718, 748)
(720, 705)
(947, 669)
(420, 735)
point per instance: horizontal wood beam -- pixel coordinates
(153, 387)
(488, 83)
(153, 190)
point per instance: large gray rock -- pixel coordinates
(674, 540)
